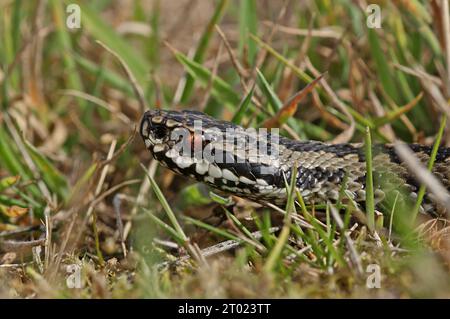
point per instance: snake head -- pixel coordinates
(171, 137)
(154, 129)
(162, 129)
(219, 153)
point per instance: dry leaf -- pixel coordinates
(13, 211)
(290, 107)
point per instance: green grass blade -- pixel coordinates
(106, 34)
(8, 201)
(110, 77)
(248, 24)
(299, 72)
(431, 161)
(212, 229)
(268, 91)
(175, 235)
(54, 179)
(238, 223)
(8, 158)
(202, 46)
(220, 199)
(325, 236)
(65, 46)
(277, 250)
(220, 89)
(243, 107)
(16, 36)
(81, 183)
(382, 67)
(162, 199)
(370, 204)
(8, 182)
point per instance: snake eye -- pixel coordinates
(160, 132)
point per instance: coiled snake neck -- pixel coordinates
(255, 165)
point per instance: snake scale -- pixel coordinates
(256, 165)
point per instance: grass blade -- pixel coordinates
(243, 107)
(431, 161)
(248, 24)
(109, 76)
(395, 114)
(268, 91)
(290, 107)
(277, 250)
(370, 204)
(166, 227)
(65, 44)
(212, 229)
(8, 182)
(202, 46)
(166, 206)
(220, 89)
(51, 176)
(106, 34)
(386, 78)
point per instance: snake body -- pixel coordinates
(234, 163)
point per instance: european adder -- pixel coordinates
(229, 158)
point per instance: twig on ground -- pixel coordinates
(215, 249)
(117, 201)
(48, 236)
(315, 33)
(12, 245)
